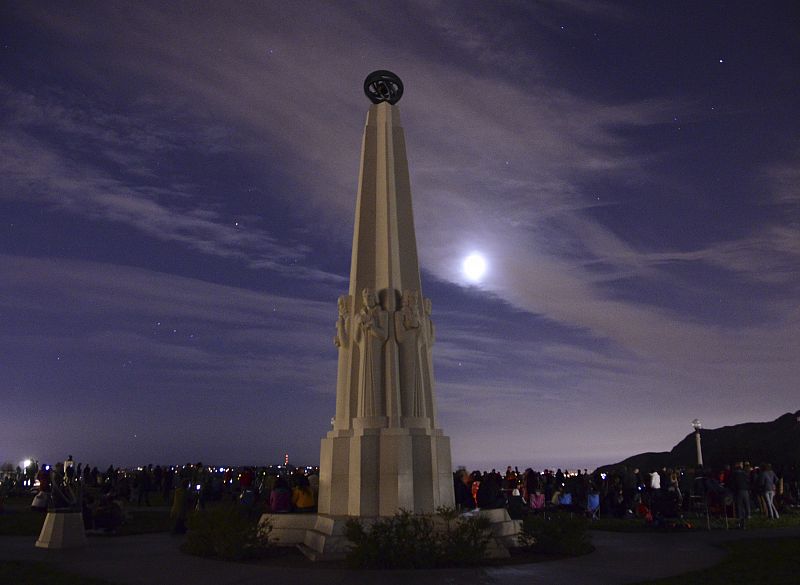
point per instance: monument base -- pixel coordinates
(286, 529)
(327, 540)
(505, 533)
(62, 530)
(321, 537)
(370, 471)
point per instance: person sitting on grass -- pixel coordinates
(516, 505)
(108, 515)
(280, 498)
(302, 496)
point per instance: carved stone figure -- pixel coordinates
(426, 358)
(371, 332)
(430, 329)
(342, 338)
(342, 341)
(409, 335)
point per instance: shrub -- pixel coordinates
(225, 531)
(464, 539)
(415, 541)
(555, 533)
(404, 541)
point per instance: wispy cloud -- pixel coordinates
(503, 160)
(178, 332)
(83, 181)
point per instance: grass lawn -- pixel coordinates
(619, 525)
(35, 573)
(769, 561)
(19, 520)
(145, 521)
(787, 519)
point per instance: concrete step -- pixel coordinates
(314, 555)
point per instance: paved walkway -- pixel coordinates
(618, 558)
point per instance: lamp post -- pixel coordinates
(697, 425)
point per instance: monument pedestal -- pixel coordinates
(327, 540)
(380, 471)
(287, 529)
(505, 532)
(321, 537)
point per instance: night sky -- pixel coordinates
(177, 188)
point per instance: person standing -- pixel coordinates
(180, 507)
(655, 481)
(144, 484)
(69, 468)
(739, 484)
(462, 488)
(768, 482)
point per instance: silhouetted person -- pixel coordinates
(462, 490)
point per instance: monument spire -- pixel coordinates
(384, 452)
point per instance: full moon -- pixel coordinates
(474, 267)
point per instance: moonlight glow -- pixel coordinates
(474, 267)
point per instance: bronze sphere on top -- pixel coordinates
(383, 86)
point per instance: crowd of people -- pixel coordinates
(736, 491)
(104, 496)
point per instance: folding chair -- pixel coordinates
(536, 501)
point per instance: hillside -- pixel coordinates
(776, 442)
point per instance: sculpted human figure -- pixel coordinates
(342, 341)
(426, 358)
(430, 329)
(371, 331)
(409, 335)
(342, 338)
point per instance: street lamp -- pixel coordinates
(697, 425)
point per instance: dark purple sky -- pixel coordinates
(177, 188)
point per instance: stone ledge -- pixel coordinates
(62, 530)
(288, 529)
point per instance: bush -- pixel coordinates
(225, 531)
(404, 541)
(464, 539)
(556, 533)
(417, 541)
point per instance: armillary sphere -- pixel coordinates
(383, 86)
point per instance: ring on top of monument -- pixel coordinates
(383, 86)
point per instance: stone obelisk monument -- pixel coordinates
(385, 452)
